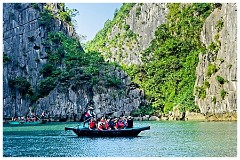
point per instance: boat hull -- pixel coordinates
(129, 132)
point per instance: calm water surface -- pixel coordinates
(164, 139)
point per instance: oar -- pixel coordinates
(84, 122)
(87, 119)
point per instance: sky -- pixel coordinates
(92, 17)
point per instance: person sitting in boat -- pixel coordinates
(98, 122)
(111, 124)
(103, 120)
(88, 115)
(116, 123)
(28, 119)
(129, 122)
(120, 123)
(32, 115)
(107, 125)
(125, 122)
(24, 119)
(35, 119)
(92, 124)
(100, 126)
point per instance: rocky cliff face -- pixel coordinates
(25, 54)
(130, 36)
(217, 69)
(23, 51)
(215, 86)
(106, 101)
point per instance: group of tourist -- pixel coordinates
(110, 123)
(31, 118)
(106, 123)
(25, 119)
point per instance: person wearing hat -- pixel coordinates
(88, 115)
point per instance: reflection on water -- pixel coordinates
(164, 139)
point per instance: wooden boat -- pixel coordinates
(28, 123)
(128, 132)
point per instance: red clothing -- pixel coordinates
(100, 127)
(120, 124)
(87, 114)
(107, 126)
(116, 125)
(92, 124)
(103, 123)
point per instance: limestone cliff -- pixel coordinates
(66, 91)
(128, 36)
(217, 69)
(164, 63)
(106, 101)
(27, 51)
(24, 54)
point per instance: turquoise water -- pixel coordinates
(164, 139)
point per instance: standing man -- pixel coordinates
(88, 115)
(130, 122)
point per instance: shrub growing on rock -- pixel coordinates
(220, 80)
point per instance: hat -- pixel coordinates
(129, 117)
(90, 108)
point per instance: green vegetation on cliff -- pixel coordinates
(48, 14)
(169, 64)
(20, 84)
(167, 74)
(67, 64)
(80, 67)
(101, 39)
